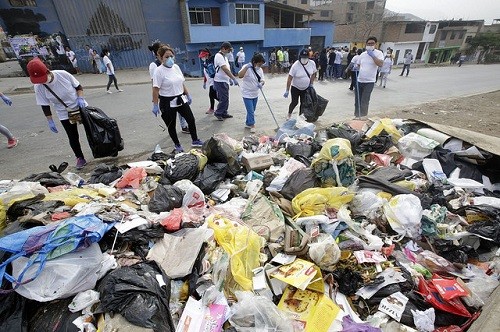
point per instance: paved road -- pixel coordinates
(38, 147)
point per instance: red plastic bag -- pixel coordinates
(173, 221)
(132, 178)
(431, 295)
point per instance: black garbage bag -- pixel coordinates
(135, 293)
(299, 181)
(47, 179)
(31, 207)
(313, 105)
(105, 174)
(343, 130)
(13, 316)
(218, 151)
(454, 253)
(183, 166)
(53, 316)
(299, 149)
(210, 177)
(166, 198)
(102, 132)
(377, 144)
(349, 281)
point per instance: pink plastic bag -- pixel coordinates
(132, 178)
(173, 221)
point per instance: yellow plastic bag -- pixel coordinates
(72, 196)
(314, 201)
(341, 150)
(384, 125)
(242, 244)
(3, 215)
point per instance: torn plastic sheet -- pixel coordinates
(390, 276)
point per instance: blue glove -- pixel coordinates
(286, 94)
(370, 53)
(7, 100)
(259, 85)
(236, 83)
(52, 126)
(80, 102)
(156, 109)
(204, 85)
(231, 82)
(190, 100)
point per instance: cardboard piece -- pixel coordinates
(301, 274)
(394, 305)
(256, 162)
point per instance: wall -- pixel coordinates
(326, 29)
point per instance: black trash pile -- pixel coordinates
(364, 226)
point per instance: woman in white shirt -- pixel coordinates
(170, 96)
(110, 70)
(252, 82)
(300, 77)
(385, 70)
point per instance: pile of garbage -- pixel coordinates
(378, 225)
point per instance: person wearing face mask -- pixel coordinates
(64, 92)
(252, 81)
(212, 95)
(368, 63)
(301, 75)
(385, 70)
(222, 78)
(170, 96)
(110, 70)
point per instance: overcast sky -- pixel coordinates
(486, 10)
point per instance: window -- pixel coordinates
(468, 39)
(443, 35)
(247, 14)
(303, 2)
(352, 6)
(349, 17)
(414, 28)
(199, 15)
(22, 3)
(461, 35)
(370, 5)
(453, 33)
(325, 13)
(432, 29)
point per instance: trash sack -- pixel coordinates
(13, 313)
(105, 174)
(299, 149)
(83, 300)
(132, 178)
(102, 132)
(242, 244)
(257, 313)
(140, 293)
(173, 221)
(416, 146)
(182, 166)
(299, 181)
(265, 218)
(404, 213)
(210, 177)
(292, 128)
(325, 252)
(32, 207)
(335, 164)
(429, 291)
(312, 105)
(166, 198)
(53, 316)
(218, 151)
(349, 281)
(345, 131)
(47, 179)
(454, 253)
(377, 144)
(314, 201)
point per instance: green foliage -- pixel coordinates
(491, 58)
(486, 40)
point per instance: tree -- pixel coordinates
(488, 44)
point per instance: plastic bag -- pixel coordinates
(105, 174)
(183, 166)
(218, 151)
(345, 131)
(325, 252)
(193, 198)
(367, 203)
(315, 200)
(210, 177)
(335, 165)
(83, 300)
(257, 313)
(265, 218)
(299, 181)
(292, 128)
(424, 320)
(242, 244)
(416, 146)
(404, 213)
(173, 221)
(132, 178)
(166, 198)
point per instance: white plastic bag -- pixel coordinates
(404, 213)
(424, 320)
(325, 252)
(416, 146)
(83, 300)
(366, 203)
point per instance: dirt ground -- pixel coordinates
(480, 113)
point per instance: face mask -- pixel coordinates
(109, 53)
(370, 48)
(304, 61)
(169, 62)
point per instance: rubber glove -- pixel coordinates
(259, 85)
(231, 82)
(286, 94)
(190, 100)
(80, 102)
(236, 82)
(204, 86)
(156, 109)
(7, 100)
(52, 126)
(370, 53)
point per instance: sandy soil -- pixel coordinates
(480, 113)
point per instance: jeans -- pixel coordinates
(222, 89)
(330, 71)
(250, 105)
(6, 132)
(338, 70)
(169, 114)
(112, 79)
(74, 139)
(407, 67)
(362, 98)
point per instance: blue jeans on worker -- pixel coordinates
(250, 105)
(222, 89)
(338, 70)
(362, 98)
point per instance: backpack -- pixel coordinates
(210, 67)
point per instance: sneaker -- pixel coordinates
(110, 92)
(253, 130)
(178, 148)
(120, 90)
(219, 117)
(185, 130)
(80, 163)
(289, 116)
(12, 143)
(197, 144)
(227, 116)
(209, 111)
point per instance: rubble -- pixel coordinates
(370, 225)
